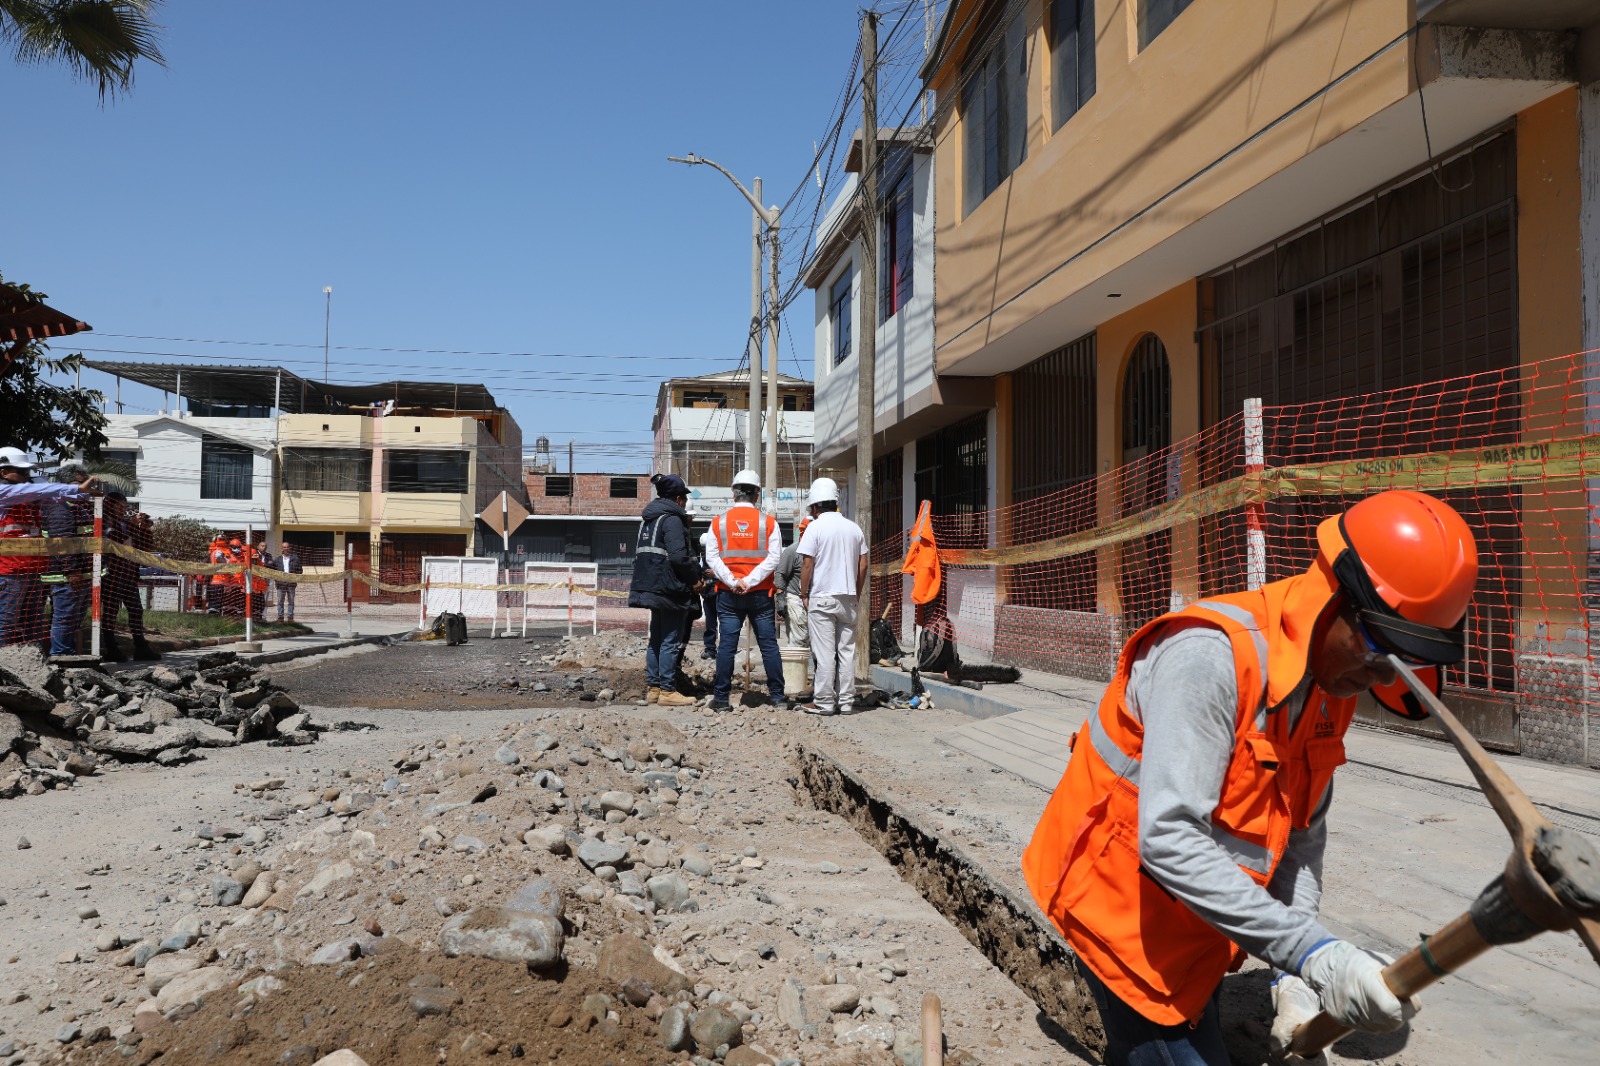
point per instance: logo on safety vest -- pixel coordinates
(744, 527)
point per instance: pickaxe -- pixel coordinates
(1551, 881)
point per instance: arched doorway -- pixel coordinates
(1145, 578)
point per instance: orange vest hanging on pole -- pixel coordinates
(1082, 865)
(922, 558)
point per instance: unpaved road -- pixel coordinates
(814, 904)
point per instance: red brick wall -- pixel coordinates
(591, 495)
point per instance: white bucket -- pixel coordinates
(796, 668)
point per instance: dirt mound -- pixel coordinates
(503, 1011)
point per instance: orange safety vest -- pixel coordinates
(221, 555)
(1083, 866)
(22, 521)
(743, 534)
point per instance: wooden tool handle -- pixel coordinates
(932, 1031)
(1457, 944)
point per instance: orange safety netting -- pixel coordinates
(1058, 582)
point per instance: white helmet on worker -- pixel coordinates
(747, 477)
(823, 490)
(17, 459)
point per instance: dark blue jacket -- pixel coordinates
(665, 567)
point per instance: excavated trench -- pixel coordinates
(995, 919)
(1004, 926)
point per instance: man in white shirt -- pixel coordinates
(832, 573)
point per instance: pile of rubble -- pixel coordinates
(61, 723)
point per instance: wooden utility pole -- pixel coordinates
(867, 324)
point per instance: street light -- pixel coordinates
(770, 218)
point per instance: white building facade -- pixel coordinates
(217, 470)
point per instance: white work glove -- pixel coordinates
(1349, 982)
(1293, 1004)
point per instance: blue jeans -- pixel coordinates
(1134, 1040)
(19, 608)
(666, 646)
(732, 610)
(68, 602)
(708, 604)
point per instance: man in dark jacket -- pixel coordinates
(665, 571)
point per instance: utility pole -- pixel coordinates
(770, 477)
(752, 422)
(770, 217)
(327, 323)
(867, 319)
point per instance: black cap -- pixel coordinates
(669, 486)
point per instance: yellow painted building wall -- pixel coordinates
(1100, 190)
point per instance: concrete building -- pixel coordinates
(699, 430)
(576, 518)
(374, 475)
(1148, 213)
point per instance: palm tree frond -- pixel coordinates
(98, 40)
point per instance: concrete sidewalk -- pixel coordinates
(275, 650)
(1411, 843)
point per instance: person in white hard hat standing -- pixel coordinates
(833, 572)
(742, 552)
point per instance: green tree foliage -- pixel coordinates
(40, 415)
(98, 40)
(182, 538)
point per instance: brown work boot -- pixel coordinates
(652, 694)
(669, 698)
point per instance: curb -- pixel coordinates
(284, 655)
(971, 702)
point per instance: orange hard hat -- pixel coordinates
(235, 543)
(800, 527)
(1407, 563)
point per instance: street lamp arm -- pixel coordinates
(770, 217)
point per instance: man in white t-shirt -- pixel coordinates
(833, 571)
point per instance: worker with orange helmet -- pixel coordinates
(1188, 829)
(217, 584)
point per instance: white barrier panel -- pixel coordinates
(480, 603)
(573, 600)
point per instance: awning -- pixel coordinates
(24, 318)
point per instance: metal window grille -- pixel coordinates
(226, 470)
(1145, 579)
(1072, 51)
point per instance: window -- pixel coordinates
(894, 247)
(1155, 16)
(1072, 52)
(128, 457)
(841, 316)
(327, 470)
(425, 471)
(705, 399)
(624, 488)
(994, 111)
(315, 547)
(558, 485)
(225, 469)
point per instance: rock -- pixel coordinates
(159, 711)
(262, 986)
(747, 1056)
(23, 843)
(192, 987)
(884, 1007)
(698, 865)
(538, 896)
(10, 726)
(551, 838)
(595, 852)
(162, 969)
(260, 890)
(226, 892)
(596, 1006)
(793, 1010)
(66, 1034)
(636, 992)
(623, 956)
(505, 935)
(669, 891)
(616, 800)
(430, 1001)
(713, 1027)
(673, 1030)
(108, 940)
(830, 867)
(847, 1031)
(337, 952)
(908, 1048)
(507, 755)
(656, 855)
(466, 844)
(342, 1057)
(293, 723)
(86, 912)
(325, 877)
(835, 999)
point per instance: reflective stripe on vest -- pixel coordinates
(1248, 621)
(759, 552)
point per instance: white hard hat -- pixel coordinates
(747, 477)
(16, 457)
(823, 490)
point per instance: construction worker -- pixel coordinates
(742, 553)
(68, 579)
(233, 579)
(665, 570)
(1188, 830)
(20, 520)
(833, 571)
(787, 578)
(217, 584)
(122, 576)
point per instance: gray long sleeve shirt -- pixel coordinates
(1183, 688)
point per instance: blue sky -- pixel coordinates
(488, 176)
